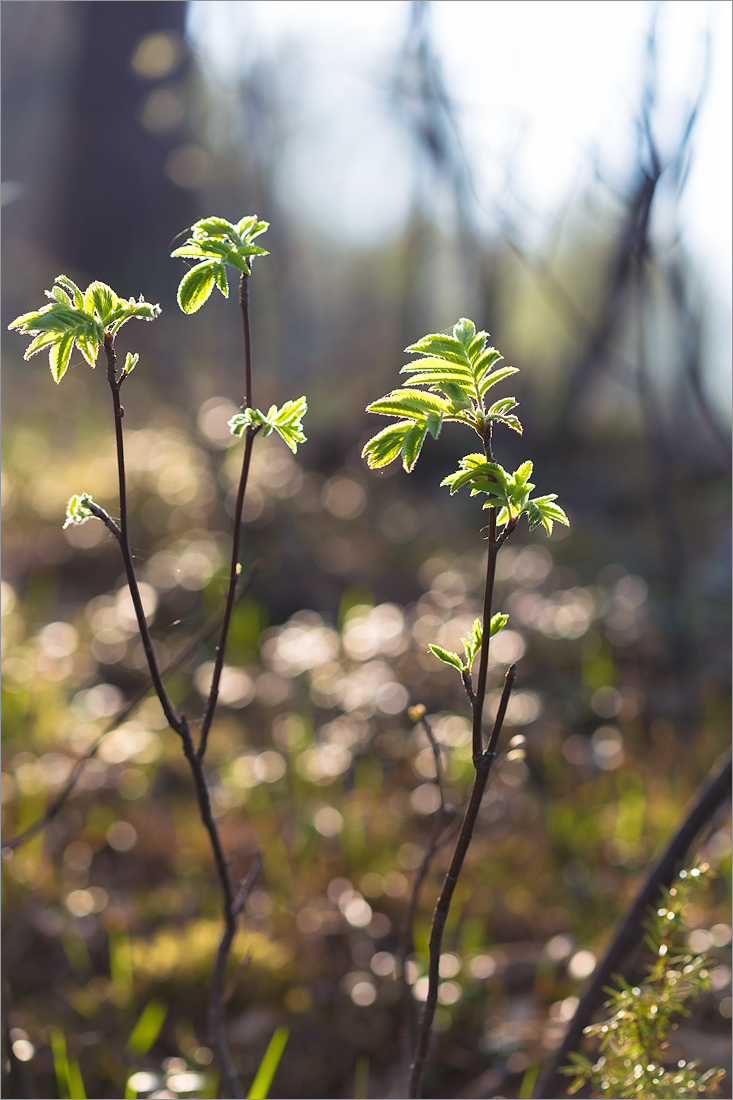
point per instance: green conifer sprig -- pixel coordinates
(635, 1035)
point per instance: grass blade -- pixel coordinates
(68, 1074)
(147, 1028)
(268, 1065)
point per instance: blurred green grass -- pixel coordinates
(314, 761)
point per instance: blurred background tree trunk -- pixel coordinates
(86, 170)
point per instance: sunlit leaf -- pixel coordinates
(59, 355)
(498, 621)
(447, 656)
(409, 403)
(386, 445)
(412, 445)
(196, 286)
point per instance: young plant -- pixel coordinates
(90, 322)
(634, 1038)
(456, 373)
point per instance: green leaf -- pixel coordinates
(78, 510)
(287, 422)
(499, 408)
(457, 396)
(512, 422)
(385, 446)
(472, 644)
(484, 361)
(441, 346)
(88, 343)
(217, 240)
(541, 510)
(412, 445)
(489, 380)
(497, 622)
(433, 372)
(130, 363)
(415, 403)
(447, 656)
(76, 296)
(197, 251)
(59, 355)
(100, 297)
(483, 476)
(433, 423)
(220, 274)
(465, 331)
(60, 325)
(196, 286)
(523, 474)
(39, 343)
(215, 227)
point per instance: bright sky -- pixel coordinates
(543, 91)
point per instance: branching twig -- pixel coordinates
(483, 768)
(180, 723)
(220, 996)
(443, 827)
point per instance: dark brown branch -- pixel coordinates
(208, 715)
(443, 827)
(477, 703)
(219, 996)
(246, 334)
(713, 792)
(124, 540)
(106, 520)
(483, 767)
(179, 723)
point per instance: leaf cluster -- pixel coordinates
(81, 319)
(634, 1037)
(510, 493)
(78, 510)
(458, 372)
(214, 243)
(286, 421)
(471, 645)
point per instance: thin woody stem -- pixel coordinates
(124, 540)
(180, 725)
(442, 909)
(235, 566)
(477, 703)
